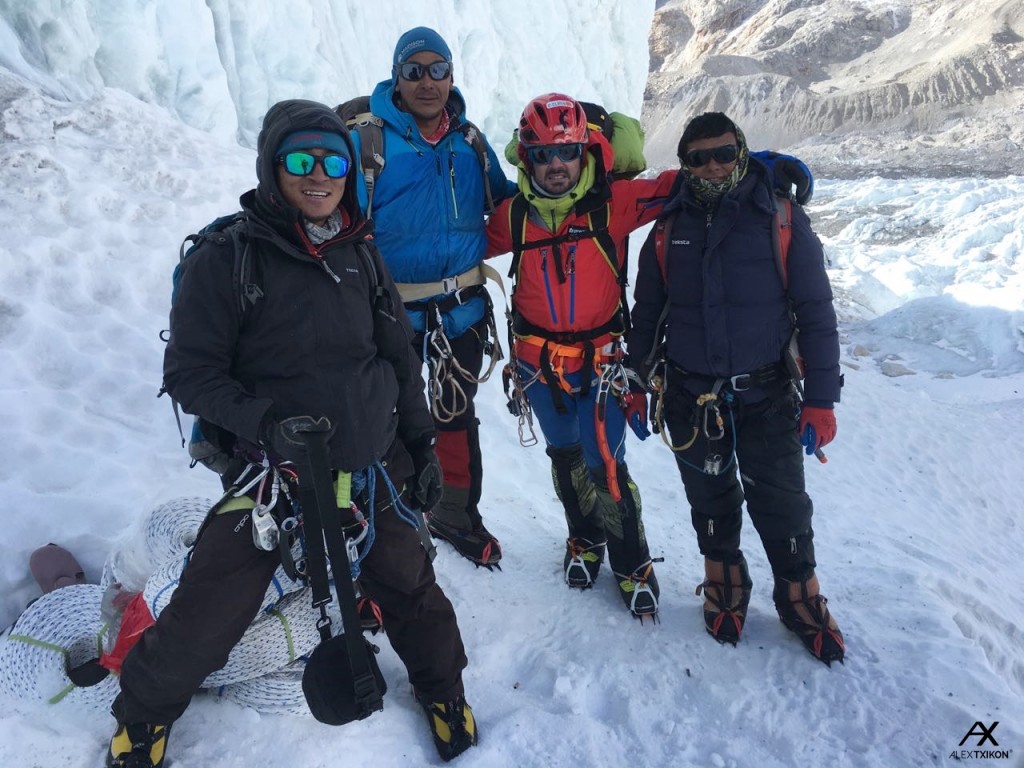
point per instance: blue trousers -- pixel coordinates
(577, 426)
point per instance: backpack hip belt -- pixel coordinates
(478, 275)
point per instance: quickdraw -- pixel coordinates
(518, 404)
(444, 369)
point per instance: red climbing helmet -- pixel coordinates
(553, 118)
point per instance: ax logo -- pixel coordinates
(984, 734)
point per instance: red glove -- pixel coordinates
(635, 406)
(817, 427)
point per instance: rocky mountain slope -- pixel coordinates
(861, 86)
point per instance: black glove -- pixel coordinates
(788, 171)
(284, 439)
(427, 480)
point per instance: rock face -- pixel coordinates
(857, 86)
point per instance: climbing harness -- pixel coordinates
(444, 372)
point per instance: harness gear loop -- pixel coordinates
(657, 383)
(518, 404)
(444, 369)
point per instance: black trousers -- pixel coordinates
(222, 589)
(766, 470)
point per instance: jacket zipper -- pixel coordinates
(314, 251)
(571, 269)
(451, 174)
(547, 284)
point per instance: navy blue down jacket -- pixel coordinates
(728, 312)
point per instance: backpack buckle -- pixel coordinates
(740, 383)
(450, 285)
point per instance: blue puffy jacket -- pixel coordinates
(429, 203)
(728, 313)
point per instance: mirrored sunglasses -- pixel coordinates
(725, 154)
(303, 163)
(413, 70)
(545, 154)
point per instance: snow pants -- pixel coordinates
(760, 441)
(222, 588)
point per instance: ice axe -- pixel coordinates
(342, 681)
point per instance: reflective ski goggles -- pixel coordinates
(413, 70)
(725, 154)
(543, 155)
(303, 163)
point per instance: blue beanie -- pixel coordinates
(312, 139)
(420, 39)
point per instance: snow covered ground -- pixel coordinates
(918, 531)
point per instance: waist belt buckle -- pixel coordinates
(741, 383)
(451, 285)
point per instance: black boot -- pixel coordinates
(628, 554)
(582, 562)
(804, 611)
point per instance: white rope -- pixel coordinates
(60, 630)
(64, 628)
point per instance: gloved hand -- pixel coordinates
(817, 427)
(635, 406)
(788, 171)
(428, 480)
(284, 439)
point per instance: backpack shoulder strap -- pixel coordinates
(247, 287)
(474, 138)
(370, 129)
(662, 233)
(380, 298)
(518, 212)
(782, 236)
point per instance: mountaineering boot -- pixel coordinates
(582, 561)
(452, 724)
(726, 588)
(138, 745)
(476, 544)
(804, 611)
(628, 554)
(639, 590)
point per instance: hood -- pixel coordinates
(283, 118)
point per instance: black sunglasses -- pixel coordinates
(413, 70)
(725, 154)
(544, 154)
